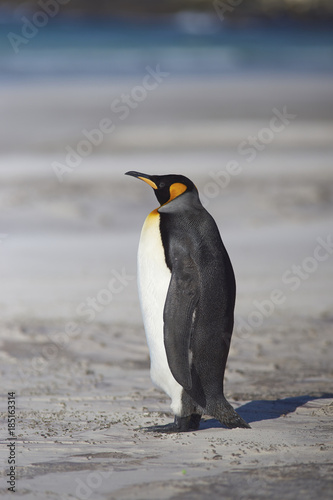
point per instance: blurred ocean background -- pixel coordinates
(185, 43)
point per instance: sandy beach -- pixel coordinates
(80, 373)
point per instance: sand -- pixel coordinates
(81, 375)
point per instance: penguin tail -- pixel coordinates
(229, 417)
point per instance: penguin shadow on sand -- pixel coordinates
(259, 410)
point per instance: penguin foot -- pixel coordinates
(180, 424)
(166, 429)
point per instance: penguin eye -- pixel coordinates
(161, 185)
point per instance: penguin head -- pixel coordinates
(167, 187)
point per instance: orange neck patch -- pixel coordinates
(151, 217)
(176, 189)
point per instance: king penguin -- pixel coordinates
(187, 295)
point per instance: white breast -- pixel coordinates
(153, 281)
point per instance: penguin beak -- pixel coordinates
(144, 177)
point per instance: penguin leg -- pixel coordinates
(180, 424)
(195, 421)
(188, 421)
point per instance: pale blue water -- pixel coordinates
(180, 45)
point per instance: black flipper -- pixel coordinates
(179, 319)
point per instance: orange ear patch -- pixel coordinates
(176, 189)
